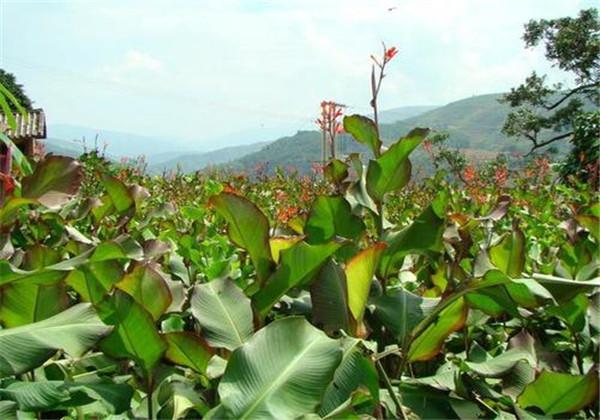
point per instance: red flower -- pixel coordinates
(8, 183)
(390, 53)
(469, 174)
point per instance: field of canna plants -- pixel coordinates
(351, 293)
(357, 293)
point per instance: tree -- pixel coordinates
(545, 114)
(9, 82)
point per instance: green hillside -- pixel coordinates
(474, 123)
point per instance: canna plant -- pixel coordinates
(377, 298)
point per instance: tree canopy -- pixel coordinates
(545, 114)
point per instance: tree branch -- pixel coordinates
(537, 145)
(571, 93)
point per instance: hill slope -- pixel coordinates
(195, 161)
(473, 123)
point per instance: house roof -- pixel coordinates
(30, 125)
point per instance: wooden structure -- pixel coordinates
(30, 128)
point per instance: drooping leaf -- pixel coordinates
(359, 275)
(498, 366)
(187, 349)
(336, 171)
(556, 393)
(74, 331)
(509, 255)
(423, 236)
(331, 217)
(427, 344)
(354, 370)
(400, 311)
(329, 297)
(55, 180)
(572, 312)
(391, 171)
(224, 313)
(119, 194)
(298, 265)
(48, 395)
(248, 228)
(134, 335)
(281, 372)
(25, 303)
(363, 129)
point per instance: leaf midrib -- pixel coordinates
(280, 378)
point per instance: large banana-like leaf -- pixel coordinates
(556, 393)
(74, 331)
(281, 372)
(248, 228)
(331, 217)
(135, 335)
(355, 370)
(359, 275)
(298, 265)
(224, 313)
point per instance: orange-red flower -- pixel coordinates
(390, 53)
(469, 173)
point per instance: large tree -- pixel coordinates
(8, 81)
(547, 114)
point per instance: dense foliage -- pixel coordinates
(544, 114)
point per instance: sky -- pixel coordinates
(201, 70)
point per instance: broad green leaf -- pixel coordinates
(148, 287)
(248, 228)
(557, 393)
(74, 331)
(498, 366)
(572, 312)
(430, 341)
(48, 395)
(135, 335)
(329, 298)
(354, 370)
(8, 410)
(298, 266)
(331, 217)
(187, 349)
(94, 280)
(509, 254)
(400, 311)
(359, 275)
(281, 372)
(391, 171)
(119, 194)
(336, 171)
(423, 236)
(55, 180)
(364, 131)
(224, 313)
(26, 303)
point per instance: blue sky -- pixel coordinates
(198, 70)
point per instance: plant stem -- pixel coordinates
(150, 392)
(390, 388)
(578, 352)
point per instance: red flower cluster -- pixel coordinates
(285, 214)
(501, 176)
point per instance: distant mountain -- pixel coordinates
(474, 124)
(398, 114)
(191, 162)
(117, 144)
